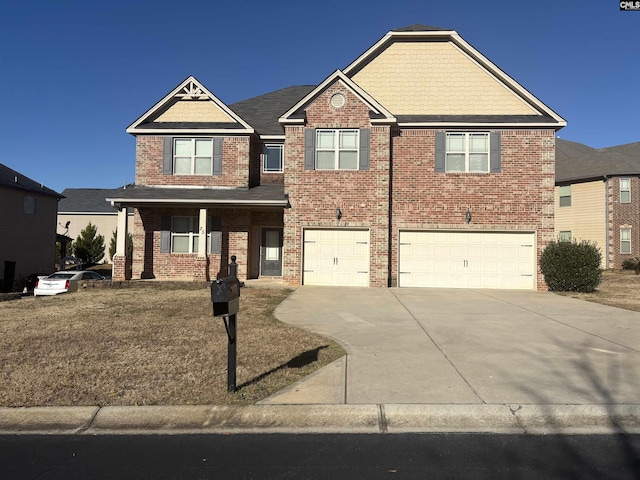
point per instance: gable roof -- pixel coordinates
(10, 178)
(577, 162)
(262, 112)
(378, 113)
(87, 200)
(525, 109)
(157, 119)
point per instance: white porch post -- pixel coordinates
(202, 234)
(121, 242)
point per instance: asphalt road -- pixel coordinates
(335, 456)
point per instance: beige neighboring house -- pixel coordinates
(83, 205)
(28, 232)
(597, 198)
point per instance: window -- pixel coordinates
(272, 158)
(625, 240)
(193, 156)
(467, 152)
(182, 235)
(564, 236)
(29, 205)
(625, 190)
(337, 149)
(565, 196)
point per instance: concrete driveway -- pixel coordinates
(433, 346)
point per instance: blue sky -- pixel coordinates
(75, 73)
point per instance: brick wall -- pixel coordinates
(623, 215)
(519, 198)
(362, 196)
(235, 165)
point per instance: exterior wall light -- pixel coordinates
(338, 214)
(467, 217)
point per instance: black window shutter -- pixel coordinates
(215, 246)
(309, 149)
(165, 234)
(494, 155)
(217, 156)
(441, 146)
(167, 156)
(365, 149)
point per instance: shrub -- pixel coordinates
(571, 266)
(632, 264)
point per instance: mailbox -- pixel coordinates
(225, 296)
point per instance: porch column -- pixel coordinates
(202, 234)
(120, 258)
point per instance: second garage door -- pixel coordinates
(336, 257)
(467, 260)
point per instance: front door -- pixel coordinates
(271, 252)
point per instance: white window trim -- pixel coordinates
(193, 155)
(192, 235)
(625, 242)
(264, 158)
(467, 153)
(336, 148)
(625, 190)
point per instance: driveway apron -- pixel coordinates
(437, 346)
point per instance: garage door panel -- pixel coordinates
(466, 260)
(336, 257)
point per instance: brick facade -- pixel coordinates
(623, 215)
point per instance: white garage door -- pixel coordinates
(467, 260)
(336, 257)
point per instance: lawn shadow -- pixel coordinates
(299, 361)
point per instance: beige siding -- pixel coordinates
(106, 224)
(586, 217)
(194, 111)
(437, 78)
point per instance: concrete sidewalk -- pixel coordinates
(420, 360)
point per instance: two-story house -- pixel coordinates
(598, 198)
(420, 164)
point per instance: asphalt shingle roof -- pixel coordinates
(87, 200)
(262, 112)
(9, 178)
(578, 162)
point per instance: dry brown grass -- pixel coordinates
(619, 288)
(148, 346)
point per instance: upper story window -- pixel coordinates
(29, 205)
(273, 158)
(565, 196)
(192, 156)
(625, 190)
(337, 149)
(467, 152)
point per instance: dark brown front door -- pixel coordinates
(271, 252)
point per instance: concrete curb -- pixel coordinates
(388, 418)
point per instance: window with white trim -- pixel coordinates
(565, 195)
(467, 152)
(272, 159)
(193, 156)
(625, 240)
(337, 149)
(625, 190)
(185, 235)
(564, 236)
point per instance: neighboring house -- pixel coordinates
(83, 205)
(28, 232)
(420, 164)
(598, 198)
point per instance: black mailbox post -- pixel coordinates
(225, 297)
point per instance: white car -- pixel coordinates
(63, 282)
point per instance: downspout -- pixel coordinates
(606, 222)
